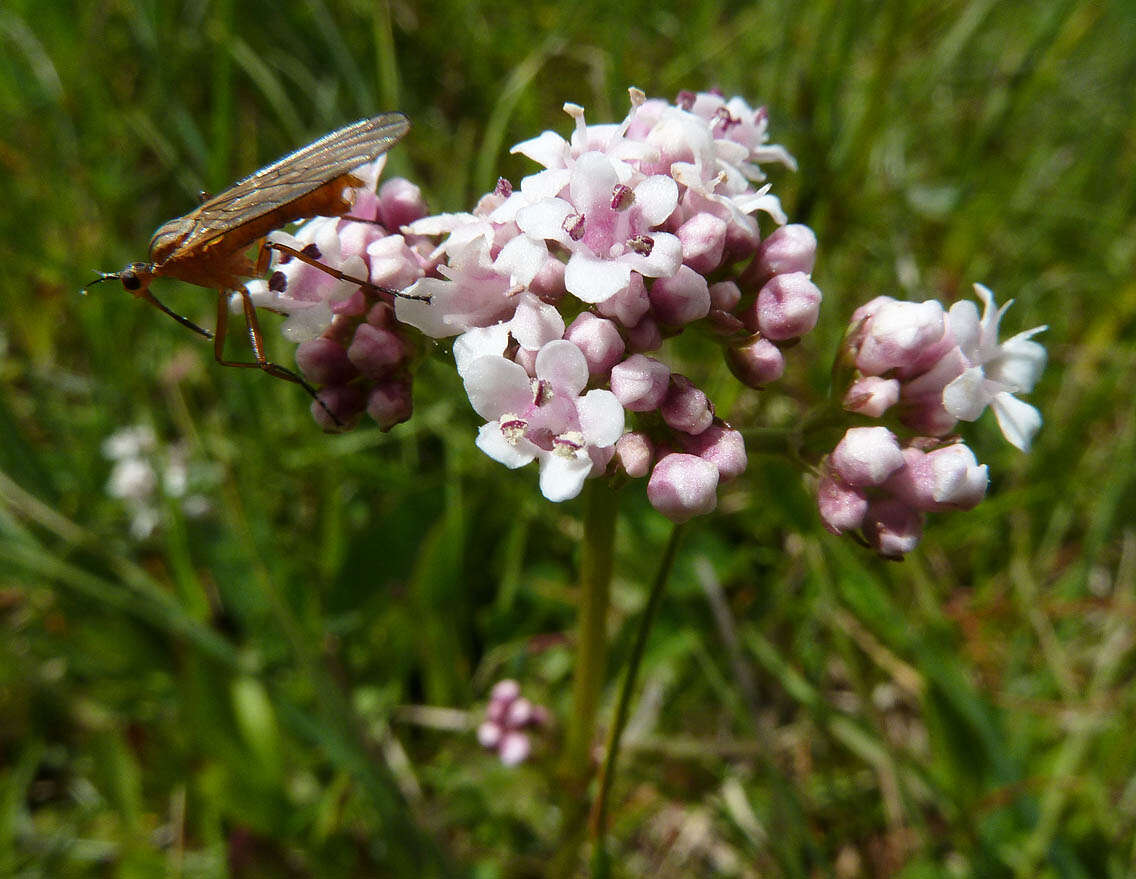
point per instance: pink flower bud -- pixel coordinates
(390, 403)
(723, 447)
(599, 339)
(400, 203)
(549, 281)
(489, 735)
(376, 352)
(787, 307)
(866, 456)
(640, 383)
(841, 507)
(892, 528)
(791, 248)
(634, 452)
(344, 402)
(628, 305)
(514, 748)
(905, 336)
(757, 362)
(680, 299)
(324, 362)
(527, 359)
(703, 238)
(683, 486)
(947, 478)
(725, 324)
(520, 713)
(725, 295)
(392, 264)
(686, 407)
(645, 335)
(872, 395)
(505, 690)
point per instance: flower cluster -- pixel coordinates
(935, 368)
(507, 716)
(143, 472)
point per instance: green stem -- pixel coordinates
(596, 555)
(598, 823)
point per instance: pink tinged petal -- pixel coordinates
(686, 407)
(594, 280)
(967, 396)
(866, 456)
(791, 248)
(872, 396)
(756, 363)
(635, 451)
(562, 475)
(497, 386)
(503, 449)
(479, 342)
(545, 220)
(892, 528)
(683, 486)
(601, 417)
(664, 259)
(680, 299)
(787, 306)
(655, 199)
(593, 179)
(723, 447)
(640, 383)
(1018, 421)
(390, 403)
(489, 735)
(600, 341)
(345, 402)
(324, 362)
(514, 748)
(725, 295)
(534, 323)
(703, 239)
(563, 366)
(841, 507)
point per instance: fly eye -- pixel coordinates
(130, 280)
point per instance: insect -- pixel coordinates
(209, 245)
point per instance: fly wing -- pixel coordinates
(295, 175)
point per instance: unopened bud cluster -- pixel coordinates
(507, 717)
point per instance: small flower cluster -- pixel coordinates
(350, 345)
(142, 472)
(935, 368)
(507, 716)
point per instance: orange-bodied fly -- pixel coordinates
(210, 245)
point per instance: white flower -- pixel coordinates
(544, 418)
(997, 371)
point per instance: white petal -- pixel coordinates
(656, 198)
(496, 386)
(1018, 421)
(439, 224)
(548, 148)
(595, 280)
(562, 365)
(1020, 363)
(544, 220)
(545, 184)
(601, 417)
(522, 258)
(593, 179)
(535, 323)
(965, 325)
(662, 262)
(426, 310)
(513, 455)
(561, 476)
(965, 397)
(479, 342)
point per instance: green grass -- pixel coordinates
(227, 696)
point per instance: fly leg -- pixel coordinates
(255, 339)
(334, 272)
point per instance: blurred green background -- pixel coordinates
(232, 680)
